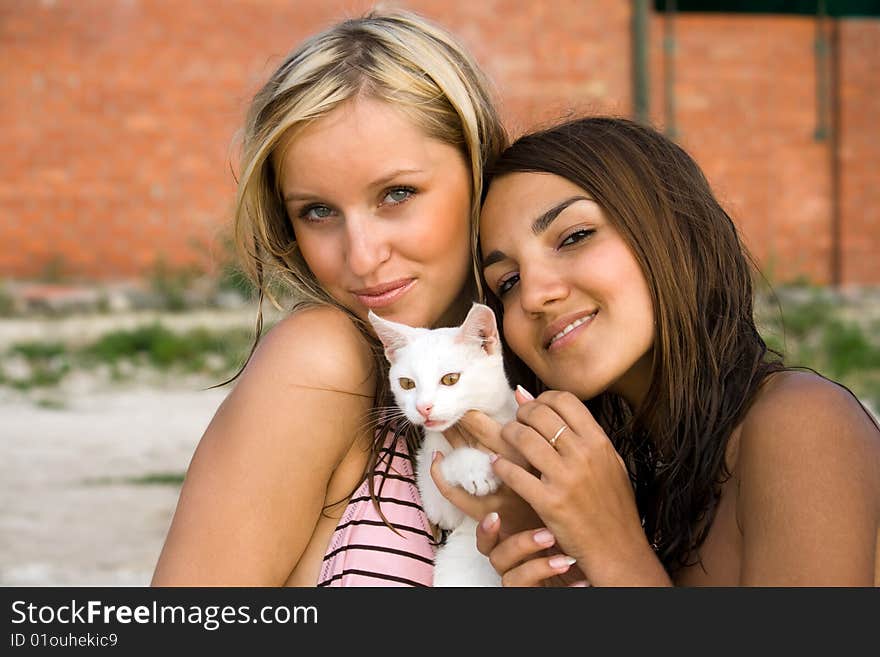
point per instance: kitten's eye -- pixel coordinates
(450, 379)
(406, 384)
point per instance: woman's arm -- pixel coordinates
(258, 480)
(808, 503)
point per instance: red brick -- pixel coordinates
(119, 118)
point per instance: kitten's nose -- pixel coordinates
(424, 410)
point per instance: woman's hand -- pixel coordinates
(478, 430)
(581, 491)
(527, 558)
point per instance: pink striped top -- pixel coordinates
(363, 550)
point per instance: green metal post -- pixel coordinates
(669, 69)
(640, 60)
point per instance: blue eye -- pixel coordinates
(397, 195)
(505, 286)
(577, 236)
(315, 212)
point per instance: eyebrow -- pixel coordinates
(539, 225)
(379, 182)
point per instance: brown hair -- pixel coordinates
(708, 357)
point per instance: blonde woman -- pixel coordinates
(359, 183)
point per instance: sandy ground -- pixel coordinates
(69, 514)
(68, 517)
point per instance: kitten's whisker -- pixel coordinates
(379, 415)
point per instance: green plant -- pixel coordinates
(847, 349)
(233, 279)
(54, 269)
(47, 364)
(126, 352)
(163, 348)
(38, 350)
(157, 479)
(811, 327)
(170, 284)
(151, 479)
(7, 303)
(50, 404)
(42, 375)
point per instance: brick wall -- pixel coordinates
(119, 118)
(746, 109)
(860, 151)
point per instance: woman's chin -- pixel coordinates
(583, 390)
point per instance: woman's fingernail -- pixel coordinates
(525, 393)
(434, 456)
(561, 561)
(544, 537)
(582, 583)
(493, 457)
(490, 520)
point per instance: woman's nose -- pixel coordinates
(368, 245)
(540, 288)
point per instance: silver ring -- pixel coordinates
(553, 440)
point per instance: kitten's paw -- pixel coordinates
(471, 469)
(439, 510)
(442, 512)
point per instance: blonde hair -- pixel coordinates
(398, 57)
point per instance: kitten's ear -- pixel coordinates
(480, 326)
(392, 334)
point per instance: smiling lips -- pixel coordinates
(557, 334)
(384, 294)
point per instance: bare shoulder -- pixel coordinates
(317, 346)
(808, 474)
(309, 383)
(261, 474)
(804, 411)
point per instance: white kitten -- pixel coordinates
(438, 375)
